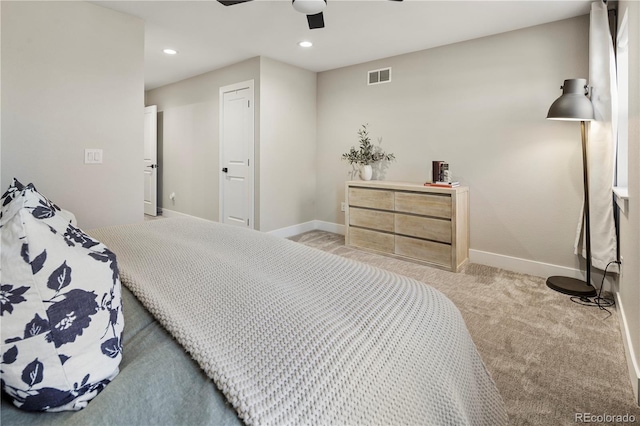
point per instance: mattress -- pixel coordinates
(264, 331)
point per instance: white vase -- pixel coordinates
(366, 172)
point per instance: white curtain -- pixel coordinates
(601, 144)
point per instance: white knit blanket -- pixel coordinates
(295, 336)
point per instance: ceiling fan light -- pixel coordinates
(309, 7)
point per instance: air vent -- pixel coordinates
(379, 76)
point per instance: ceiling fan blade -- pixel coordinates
(315, 21)
(232, 2)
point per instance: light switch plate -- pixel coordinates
(92, 156)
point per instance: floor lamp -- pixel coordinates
(574, 105)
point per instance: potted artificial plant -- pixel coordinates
(366, 155)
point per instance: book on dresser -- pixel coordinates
(443, 184)
(411, 221)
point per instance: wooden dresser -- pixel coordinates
(410, 221)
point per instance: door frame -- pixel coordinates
(152, 109)
(249, 84)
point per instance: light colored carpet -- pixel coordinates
(550, 358)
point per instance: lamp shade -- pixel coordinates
(573, 105)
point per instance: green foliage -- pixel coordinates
(368, 153)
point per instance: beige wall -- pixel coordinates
(287, 145)
(73, 78)
(481, 106)
(189, 138)
(629, 284)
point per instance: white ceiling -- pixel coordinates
(209, 35)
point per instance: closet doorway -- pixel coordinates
(237, 154)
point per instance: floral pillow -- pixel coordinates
(60, 306)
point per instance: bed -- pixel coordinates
(231, 326)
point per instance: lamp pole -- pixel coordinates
(585, 174)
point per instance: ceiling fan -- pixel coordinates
(311, 8)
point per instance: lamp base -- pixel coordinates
(571, 286)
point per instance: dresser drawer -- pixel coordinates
(424, 204)
(373, 219)
(372, 198)
(374, 240)
(429, 251)
(423, 227)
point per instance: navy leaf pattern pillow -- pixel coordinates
(60, 306)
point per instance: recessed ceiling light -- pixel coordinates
(305, 44)
(170, 51)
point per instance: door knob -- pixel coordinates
(225, 170)
(153, 166)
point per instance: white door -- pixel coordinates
(150, 165)
(236, 154)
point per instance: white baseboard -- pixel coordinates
(329, 227)
(290, 231)
(312, 225)
(510, 263)
(524, 266)
(173, 213)
(632, 361)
